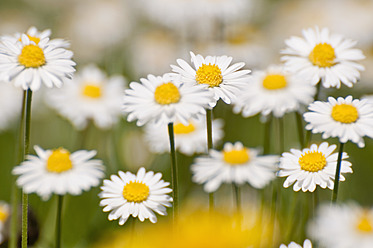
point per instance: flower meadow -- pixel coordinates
(174, 123)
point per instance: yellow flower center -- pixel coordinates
(59, 161)
(364, 224)
(135, 192)
(32, 38)
(166, 93)
(312, 161)
(209, 74)
(180, 128)
(274, 82)
(345, 113)
(322, 55)
(235, 157)
(92, 91)
(32, 56)
(3, 214)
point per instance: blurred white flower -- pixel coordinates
(10, 104)
(189, 139)
(4, 215)
(342, 226)
(235, 164)
(274, 91)
(91, 95)
(307, 244)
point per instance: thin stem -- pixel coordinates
(281, 135)
(15, 191)
(173, 172)
(210, 145)
(26, 151)
(237, 197)
(299, 120)
(267, 135)
(337, 173)
(59, 221)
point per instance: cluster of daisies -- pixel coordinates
(181, 102)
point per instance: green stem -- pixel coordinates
(237, 197)
(299, 120)
(15, 194)
(281, 135)
(210, 145)
(59, 221)
(174, 173)
(26, 151)
(267, 135)
(337, 173)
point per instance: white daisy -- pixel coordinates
(36, 36)
(347, 119)
(324, 57)
(343, 226)
(235, 164)
(307, 244)
(312, 166)
(89, 96)
(163, 100)
(10, 105)
(274, 91)
(4, 215)
(138, 195)
(28, 64)
(189, 139)
(225, 81)
(59, 172)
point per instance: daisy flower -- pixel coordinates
(214, 71)
(348, 119)
(163, 100)
(10, 105)
(343, 226)
(324, 57)
(235, 164)
(4, 215)
(36, 36)
(307, 244)
(189, 139)
(274, 91)
(28, 64)
(59, 172)
(138, 195)
(91, 95)
(312, 166)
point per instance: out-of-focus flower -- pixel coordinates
(10, 104)
(138, 195)
(274, 91)
(91, 95)
(36, 36)
(224, 81)
(235, 164)
(307, 244)
(164, 99)
(59, 172)
(311, 167)
(199, 229)
(343, 226)
(324, 58)
(28, 64)
(189, 139)
(4, 215)
(345, 118)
